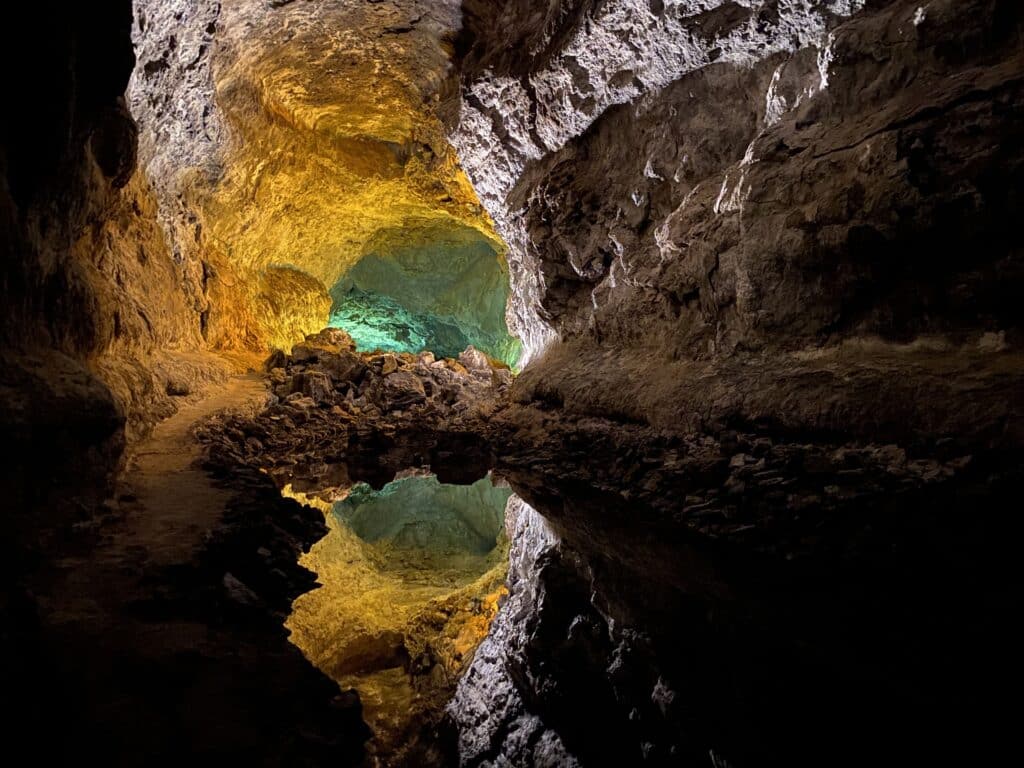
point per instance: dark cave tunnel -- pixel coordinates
(403, 382)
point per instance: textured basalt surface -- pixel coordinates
(861, 186)
(96, 331)
(304, 136)
(763, 258)
(443, 293)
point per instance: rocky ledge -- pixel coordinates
(338, 416)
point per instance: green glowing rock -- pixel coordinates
(419, 513)
(442, 295)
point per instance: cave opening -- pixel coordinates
(443, 291)
(307, 178)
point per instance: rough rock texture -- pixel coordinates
(765, 260)
(141, 659)
(492, 720)
(863, 187)
(766, 285)
(300, 136)
(534, 82)
(170, 94)
(340, 416)
(456, 280)
(94, 312)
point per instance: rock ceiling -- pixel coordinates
(333, 137)
(320, 133)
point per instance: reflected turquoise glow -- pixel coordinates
(421, 513)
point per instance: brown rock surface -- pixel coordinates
(288, 141)
(765, 261)
(766, 287)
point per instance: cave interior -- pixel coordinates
(494, 383)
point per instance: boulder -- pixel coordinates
(344, 367)
(277, 359)
(402, 389)
(474, 360)
(331, 339)
(299, 400)
(305, 353)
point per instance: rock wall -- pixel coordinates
(299, 136)
(763, 259)
(181, 133)
(493, 721)
(97, 331)
(787, 181)
(533, 84)
(112, 657)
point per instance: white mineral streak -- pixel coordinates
(825, 61)
(775, 103)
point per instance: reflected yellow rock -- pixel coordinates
(397, 623)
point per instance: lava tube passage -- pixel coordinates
(427, 288)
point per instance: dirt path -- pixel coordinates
(165, 505)
(145, 646)
(175, 500)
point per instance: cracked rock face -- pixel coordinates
(789, 221)
(534, 83)
(299, 136)
(748, 173)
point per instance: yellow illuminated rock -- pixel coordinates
(399, 617)
(333, 144)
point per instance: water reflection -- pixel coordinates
(411, 578)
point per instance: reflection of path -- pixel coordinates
(150, 662)
(385, 616)
(177, 501)
(168, 504)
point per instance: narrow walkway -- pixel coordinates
(130, 651)
(175, 500)
(167, 504)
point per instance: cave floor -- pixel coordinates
(163, 507)
(149, 646)
(176, 502)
